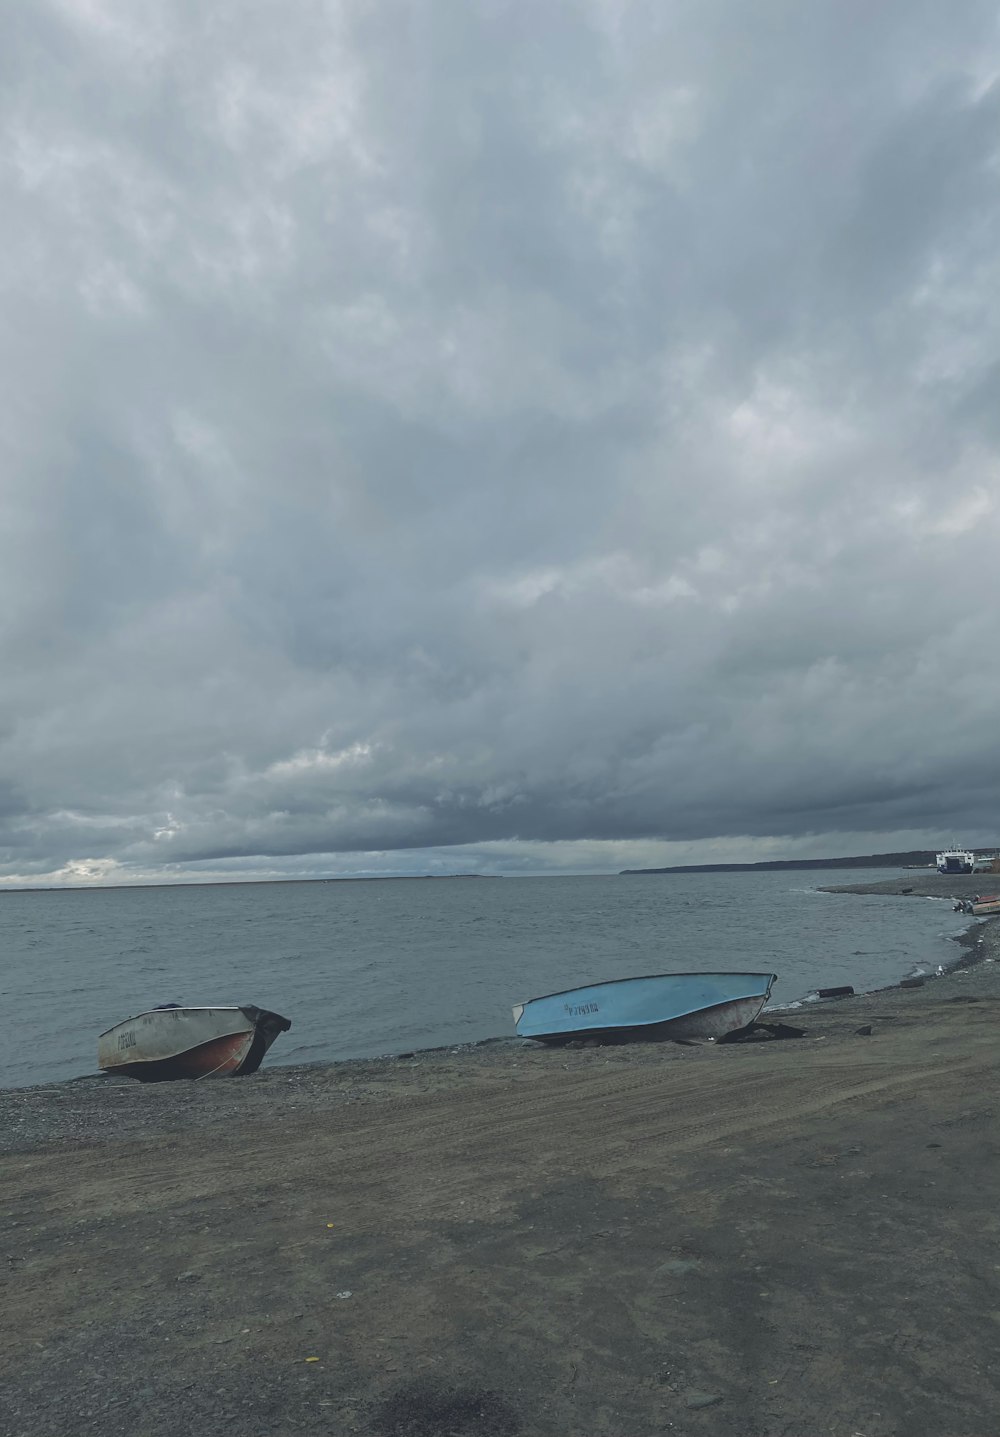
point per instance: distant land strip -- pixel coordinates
(916, 859)
(239, 882)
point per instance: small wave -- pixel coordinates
(290, 1054)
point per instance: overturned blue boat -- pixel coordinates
(661, 1006)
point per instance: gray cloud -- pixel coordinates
(435, 426)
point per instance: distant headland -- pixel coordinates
(918, 858)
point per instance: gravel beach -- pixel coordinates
(781, 1237)
(925, 883)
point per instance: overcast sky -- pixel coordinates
(518, 437)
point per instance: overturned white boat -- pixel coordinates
(663, 1005)
(176, 1042)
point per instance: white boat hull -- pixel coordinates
(176, 1042)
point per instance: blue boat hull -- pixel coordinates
(663, 1005)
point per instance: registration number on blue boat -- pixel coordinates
(578, 1010)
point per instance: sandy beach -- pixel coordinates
(774, 1239)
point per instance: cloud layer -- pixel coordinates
(491, 425)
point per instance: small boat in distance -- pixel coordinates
(176, 1042)
(663, 1005)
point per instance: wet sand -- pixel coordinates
(785, 1238)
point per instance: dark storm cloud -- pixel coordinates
(434, 425)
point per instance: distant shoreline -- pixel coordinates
(913, 859)
(916, 858)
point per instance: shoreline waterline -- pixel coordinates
(980, 943)
(383, 970)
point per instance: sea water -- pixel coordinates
(386, 966)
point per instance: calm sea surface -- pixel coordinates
(387, 966)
